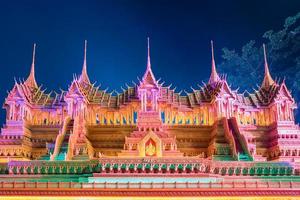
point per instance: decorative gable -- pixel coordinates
(15, 94)
(284, 94)
(74, 91)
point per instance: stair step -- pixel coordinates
(81, 157)
(244, 157)
(60, 156)
(45, 157)
(223, 157)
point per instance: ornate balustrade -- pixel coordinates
(51, 167)
(153, 166)
(261, 185)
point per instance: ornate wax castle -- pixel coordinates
(150, 129)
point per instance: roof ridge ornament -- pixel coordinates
(268, 80)
(30, 81)
(214, 77)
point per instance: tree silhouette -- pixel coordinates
(245, 66)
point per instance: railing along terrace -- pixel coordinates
(261, 185)
(107, 165)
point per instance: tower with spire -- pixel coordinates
(268, 80)
(30, 81)
(84, 75)
(148, 87)
(214, 77)
(148, 79)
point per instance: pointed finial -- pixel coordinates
(32, 71)
(265, 59)
(214, 77)
(85, 49)
(31, 78)
(268, 81)
(212, 51)
(33, 54)
(84, 76)
(148, 58)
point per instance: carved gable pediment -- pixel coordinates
(74, 91)
(15, 94)
(284, 94)
(225, 91)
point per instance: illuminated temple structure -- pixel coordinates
(150, 140)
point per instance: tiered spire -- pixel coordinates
(148, 77)
(214, 77)
(268, 81)
(31, 82)
(84, 76)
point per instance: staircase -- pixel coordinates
(64, 146)
(78, 146)
(62, 140)
(83, 143)
(221, 142)
(240, 141)
(50, 148)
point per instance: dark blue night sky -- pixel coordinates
(179, 31)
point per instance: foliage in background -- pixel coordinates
(245, 66)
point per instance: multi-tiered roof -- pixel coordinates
(30, 92)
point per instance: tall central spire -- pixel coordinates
(30, 81)
(268, 80)
(214, 77)
(84, 76)
(148, 78)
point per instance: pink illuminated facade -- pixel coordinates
(150, 128)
